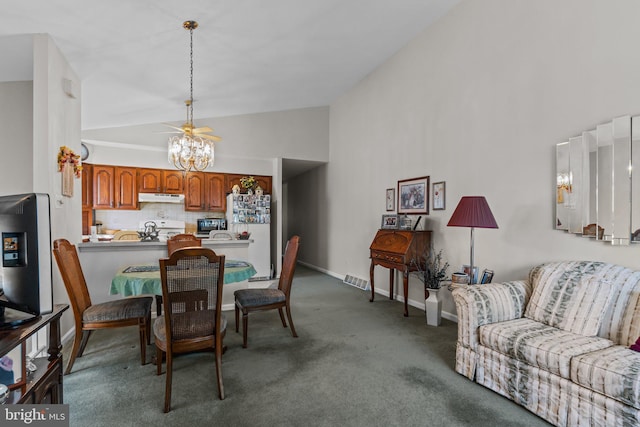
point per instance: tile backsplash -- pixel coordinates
(129, 220)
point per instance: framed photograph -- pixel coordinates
(438, 192)
(413, 196)
(391, 199)
(487, 276)
(467, 269)
(389, 222)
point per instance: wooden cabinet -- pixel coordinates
(194, 191)
(204, 192)
(114, 187)
(173, 181)
(45, 385)
(160, 181)
(215, 197)
(87, 198)
(232, 179)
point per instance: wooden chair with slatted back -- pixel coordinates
(192, 280)
(248, 300)
(89, 317)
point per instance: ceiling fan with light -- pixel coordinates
(193, 149)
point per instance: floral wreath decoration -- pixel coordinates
(65, 156)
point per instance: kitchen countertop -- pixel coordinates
(120, 245)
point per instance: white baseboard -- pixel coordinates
(412, 303)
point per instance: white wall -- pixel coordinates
(56, 122)
(16, 120)
(479, 100)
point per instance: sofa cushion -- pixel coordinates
(613, 372)
(571, 301)
(537, 344)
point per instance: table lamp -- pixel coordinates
(472, 211)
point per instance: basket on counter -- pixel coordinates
(243, 236)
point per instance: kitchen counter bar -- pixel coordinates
(119, 245)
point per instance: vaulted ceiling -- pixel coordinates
(249, 55)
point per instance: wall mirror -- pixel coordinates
(595, 182)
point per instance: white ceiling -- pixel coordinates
(249, 55)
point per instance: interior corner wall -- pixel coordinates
(479, 101)
(56, 122)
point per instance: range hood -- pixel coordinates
(160, 198)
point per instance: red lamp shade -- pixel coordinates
(473, 211)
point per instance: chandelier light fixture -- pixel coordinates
(193, 149)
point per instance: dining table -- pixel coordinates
(144, 279)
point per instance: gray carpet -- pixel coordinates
(355, 363)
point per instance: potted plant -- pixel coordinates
(432, 270)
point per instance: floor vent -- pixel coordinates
(357, 282)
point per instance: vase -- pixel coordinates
(250, 191)
(433, 308)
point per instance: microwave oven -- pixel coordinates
(205, 225)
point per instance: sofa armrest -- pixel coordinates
(479, 305)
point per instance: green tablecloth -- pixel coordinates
(148, 282)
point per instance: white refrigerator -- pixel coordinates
(252, 214)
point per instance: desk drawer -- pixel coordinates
(398, 258)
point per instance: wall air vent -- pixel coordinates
(357, 282)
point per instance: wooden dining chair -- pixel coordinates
(177, 241)
(184, 240)
(89, 317)
(192, 281)
(248, 300)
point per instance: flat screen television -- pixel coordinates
(25, 271)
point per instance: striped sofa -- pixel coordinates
(557, 343)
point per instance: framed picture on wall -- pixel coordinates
(389, 222)
(438, 192)
(391, 199)
(413, 196)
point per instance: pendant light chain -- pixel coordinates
(193, 149)
(190, 120)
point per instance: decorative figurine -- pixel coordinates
(235, 190)
(259, 191)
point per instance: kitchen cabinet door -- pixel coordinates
(194, 192)
(114, 187)
(127, 188)
(172, 181)
(87, 186)
(149, 180)
(103, 187)
(215, 194)
(262, 180)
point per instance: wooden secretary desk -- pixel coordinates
(398, 250)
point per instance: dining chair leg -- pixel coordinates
(143, 340)
(293, 329)
(284, 324)
(159, 305)
(149, 328)
(75, 348)
(158, 361)
(237, 316)
(85, 338)
(219, 371)
(167, 392)
(245, 327)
